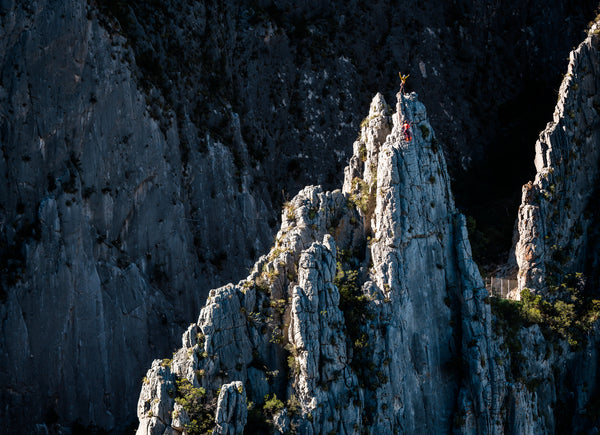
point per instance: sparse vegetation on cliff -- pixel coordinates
(198, 406)
(570, 317)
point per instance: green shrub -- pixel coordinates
(365, 122)
(362, 153)
(198, 407)
(272, 405)
(570, 316)
(361, 195)
(289, 211)
(355, 307)
(279, 305)
(352, 303)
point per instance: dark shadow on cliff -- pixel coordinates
(490, 192)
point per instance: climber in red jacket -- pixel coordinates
(406, 131)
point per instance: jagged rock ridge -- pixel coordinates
(369, 313)
(368, 345)
(557, 250)
(128, 136)
(558, 218)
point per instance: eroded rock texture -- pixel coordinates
(557, 253)
(100, 254)
(367, 343)
(558, 218)
(369, 315)
(146, 147)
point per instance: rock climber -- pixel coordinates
(406, 131)
(403, 81)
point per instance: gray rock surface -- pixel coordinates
(133, 134)
(371, 352)
(370, 315)
(558, 215)
(318, 347)
(102, 227)
(156, 400)
(77, 253)
(231, 410)
(557, 253)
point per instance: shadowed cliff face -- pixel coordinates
(557, 247)
(487, 71)
(558, 217)
(146, 148)
(108, 239)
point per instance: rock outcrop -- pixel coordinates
(368, 343)
(558, 218)
(134, 133)
(100, 237)
(370, 315)
(557, 253)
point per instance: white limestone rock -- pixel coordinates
(180, 418)
(395, 223)
(557, 208)
(369, 313)
(156, 400)
(231, 411)
(323, 382)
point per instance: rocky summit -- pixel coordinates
(370, 315)
(338, 328)
(147, 150)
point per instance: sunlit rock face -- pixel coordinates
(354, 318)
(369, 315)
(147, 147)
(558, 217)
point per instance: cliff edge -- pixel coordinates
(558, 217)
(356, 317)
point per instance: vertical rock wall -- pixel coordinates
(369, 315)
(99, 233)
(369, 343)
(128, 135)
(557, 253)
(558, 217)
